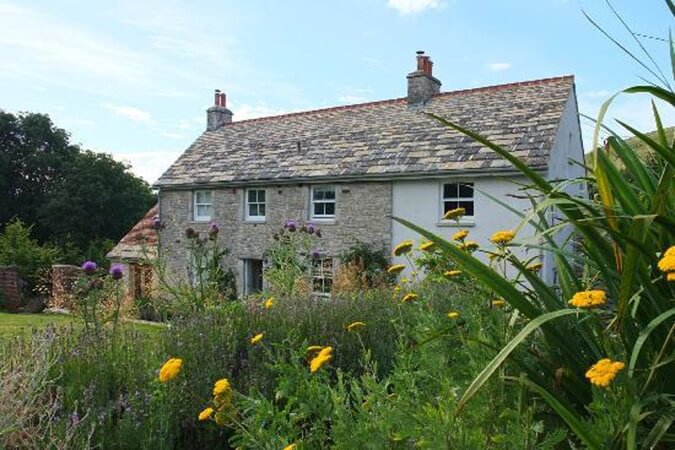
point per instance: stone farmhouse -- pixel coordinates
(349, 169)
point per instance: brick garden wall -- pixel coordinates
(10, 288)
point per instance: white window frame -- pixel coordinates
(195, 206)
(466, 218)
(313, 202)
(325, 276)
(247, 203)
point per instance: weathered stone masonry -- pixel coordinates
(363, 212)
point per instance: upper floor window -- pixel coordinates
(458, 195)
(203, 206)
(255, 204)
(323, 202)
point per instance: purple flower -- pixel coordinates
(316, 254)
(213, 232)
(291, 225)
(89, 267)
(318, 232)
(190, 233)
(156, 223)
(311, 228)
(116, 271)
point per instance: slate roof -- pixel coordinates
(386, 138)
(140, 242)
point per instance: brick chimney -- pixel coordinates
(421, 83)
(218, 115)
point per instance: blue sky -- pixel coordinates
(134, 78)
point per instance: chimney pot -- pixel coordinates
(218, 115)
(421, 84)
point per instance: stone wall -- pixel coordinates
(63, 278)
(10, 288)
(363, 212)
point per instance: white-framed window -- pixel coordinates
(323, 202)
(203, 206)
(322, 276)
(458, 195)
(255, 205)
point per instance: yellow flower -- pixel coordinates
(454, 214)
(427, 246)
(410, 296)
(453, 315)
(325, 355)
(535, 267)
(667, 263)
(404, 280)
(460, 235)
(257, 338)
(269, 303)
(355, 326)
(588, 299)
(498, 303)
(221, 386)
(205, 414)
(502, 237)
(452, 273)
(396, 268)
(403, 247)
(291, 447)
(604, 371)
(469, 246)
(170, 369)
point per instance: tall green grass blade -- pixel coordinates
(666, 153)
(639, 231)
(578, 426)
(659, 430)
(623, 192)
(653, 90)
(498, 360)
(644, 335)
(645, 179)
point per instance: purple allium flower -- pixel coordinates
(89, 267)
(156, 223)
(291, 225)
(190, 233)
(213, 232)
(316, 254)
(311, 228)
(318, 232)
(116, 271)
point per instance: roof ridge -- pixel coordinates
(493, 87)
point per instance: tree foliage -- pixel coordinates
(75, 198)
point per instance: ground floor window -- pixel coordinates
(252, 276)
(322, 276)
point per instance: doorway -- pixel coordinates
(253, 276)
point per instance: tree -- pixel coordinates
(77, 199)
(17, 248)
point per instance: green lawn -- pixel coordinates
(12, 324)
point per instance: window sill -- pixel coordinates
(455, 224)
(255, 221)
(323, 220)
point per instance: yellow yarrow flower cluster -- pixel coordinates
(498, 303)
(291, 447)
(667, 263)
(454, 214)
(222, 408)
(269, 303)
(453, 315)
(427, 246)
(170, 369)
(355, 326)
(404, 247)
(324, 355)
(604, 371)
(469, 246)
(535, 267)
(410, 296)
(460, 235)
(396, 268)
(588, 299)
(257, 338)
(502, 237)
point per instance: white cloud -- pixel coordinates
(413, 6)
(499, 66)
(149, 165)
(129, 112)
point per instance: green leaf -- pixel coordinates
(578, 426)
(644, 335)
(653, 90)
(659, 430)
(498, 360)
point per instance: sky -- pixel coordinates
(134, 78)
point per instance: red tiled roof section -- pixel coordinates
(143, 232)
